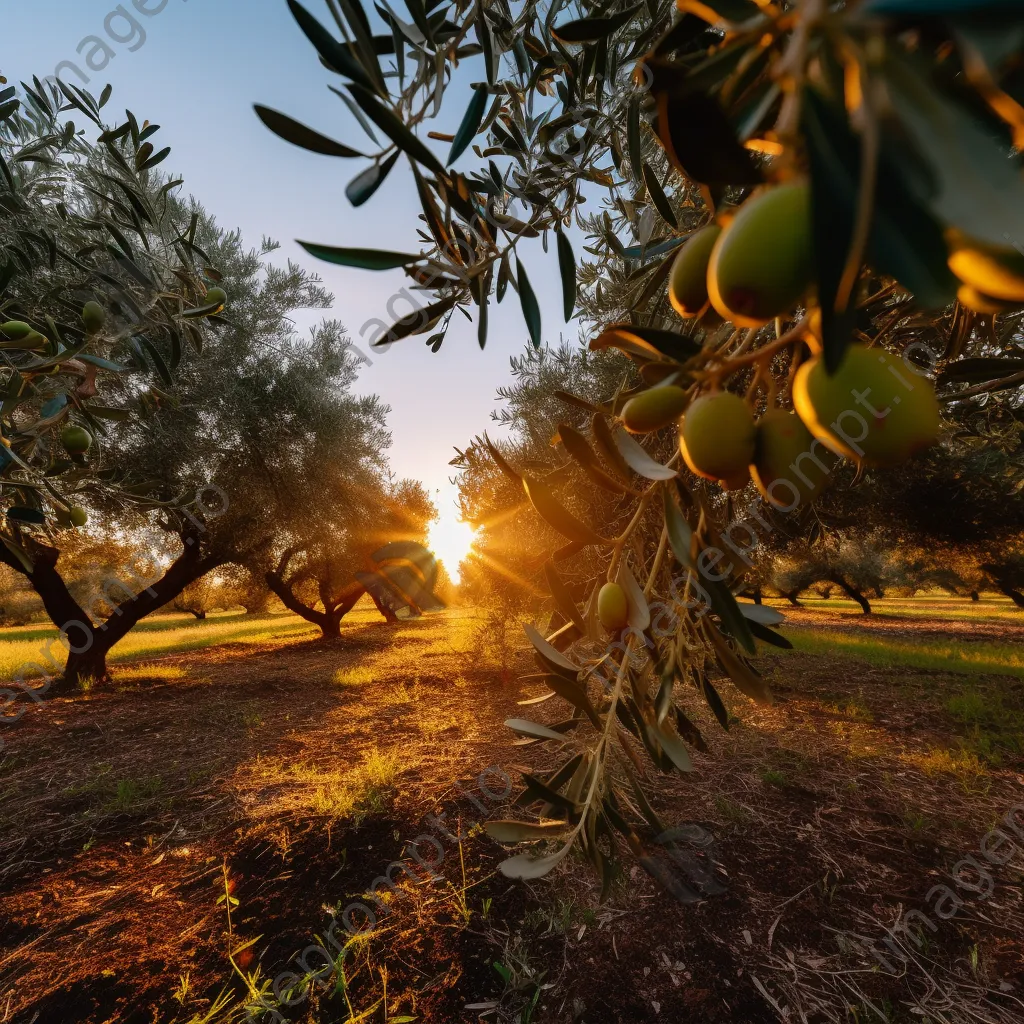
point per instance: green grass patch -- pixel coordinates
(975, 658)
(731, 811)
(992, 724)
(987, 713)
(25, 649)
(131, 795)
(365, 792)
(951, 609)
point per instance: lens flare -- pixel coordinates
(450, 539)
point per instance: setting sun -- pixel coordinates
(451, 539)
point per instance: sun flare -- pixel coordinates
(451, 539)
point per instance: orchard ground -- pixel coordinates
(244, 752)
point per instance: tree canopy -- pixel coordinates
(785, 207)
(156, 381)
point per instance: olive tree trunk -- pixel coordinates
(852, 592)
(335, 609)
(89, 643)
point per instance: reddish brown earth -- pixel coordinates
(826, 819)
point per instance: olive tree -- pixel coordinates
(104, 293)
(786, 222)
(327, 559)
(105, 414)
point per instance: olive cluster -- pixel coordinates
(758, 263)
(874, 409)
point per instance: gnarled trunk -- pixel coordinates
(388, 613)
(89, 643)
(69, 617)
(1011, 592)
(852, 592)
(1007, 581)
(84, 669)
(335, 609)
(91, 662)
(791, 596)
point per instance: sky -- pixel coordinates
(202, 66)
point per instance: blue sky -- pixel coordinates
(202, 66)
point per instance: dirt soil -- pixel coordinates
(127, 817)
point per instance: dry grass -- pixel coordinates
(150, 671)
(357, 675)
(363, 791)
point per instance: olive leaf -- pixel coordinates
(769, 636)
(699, 139)
(364, 184)
(636, 602)
(526, 867)
(976, 187)
(563, 599)
(761, 613)
(637, 458)
(394, 128)
(470, 124)
(606, 445)
(658, 196)
(557, 516)
(567, 270)
(646, 342)
(501, 462)
(579, 448)
(746, 680)
(533, 729)
(680, 535)
(335, 55)
(980, 369)
(587, 30)
(298, 134)
(551, 655)
(530, 306)
(23, 514)
(905, 241)
(364, 259)
(633, 150)
(416, 322)
(674, 747)
(524, 831)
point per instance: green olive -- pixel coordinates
(874, 409)
(94, 316)
(762, 263)
(612, 607)
(688, 281)
(716, 437)
(653, 409)
(76, 440)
